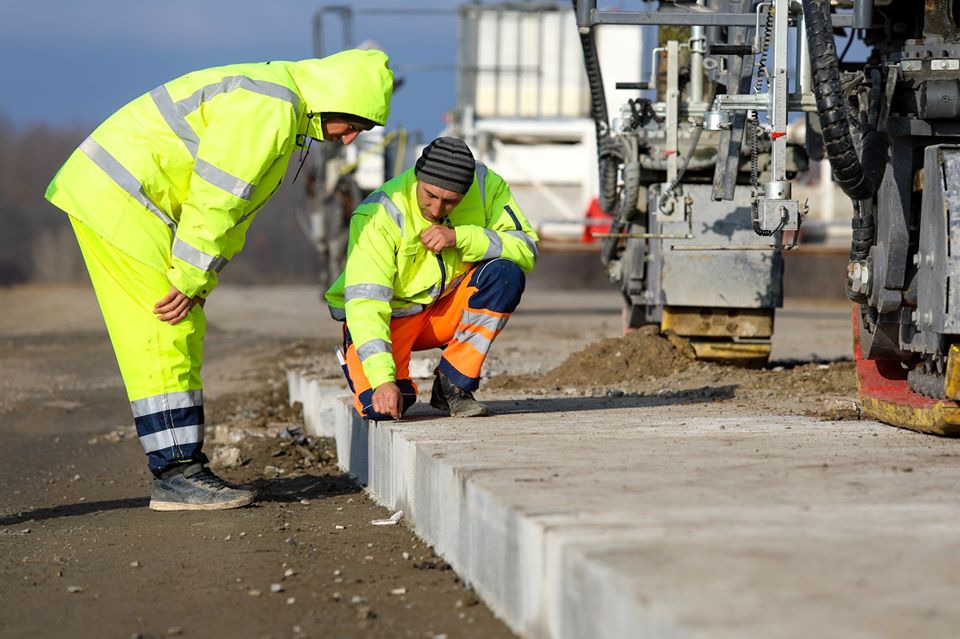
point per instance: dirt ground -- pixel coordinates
(644, 362)
(81, 555)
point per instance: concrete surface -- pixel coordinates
(650, 516)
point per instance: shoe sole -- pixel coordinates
(168, 506)
(473, 413)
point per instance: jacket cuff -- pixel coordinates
(191, 281)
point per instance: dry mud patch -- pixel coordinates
(645, 362)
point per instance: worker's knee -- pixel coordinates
(499, 285)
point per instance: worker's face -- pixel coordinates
(337, 130)
(435, 202)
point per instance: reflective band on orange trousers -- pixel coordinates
(464, 323)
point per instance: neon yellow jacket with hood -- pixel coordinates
(175, 177)
(390, 273)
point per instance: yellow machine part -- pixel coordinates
(887, 397)
(939, 418)
(733, 335)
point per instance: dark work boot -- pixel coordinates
(195, 487)
(449, 397)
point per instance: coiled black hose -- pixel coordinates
(858, 181)
(609, 155)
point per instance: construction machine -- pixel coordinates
(697, 168)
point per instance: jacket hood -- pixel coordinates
(355, 81)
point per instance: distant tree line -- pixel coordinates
(37, 243)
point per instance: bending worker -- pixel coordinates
(160, 197)
(436, 258)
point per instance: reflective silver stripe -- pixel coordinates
(221, 179)
(482, 182)
(340, 314)
(373, 347)
(381, 198)
(219, 263)
(477, 340)
(407, 311)
(232, 82)
(176, 122)
(495, 249)
(124, 178)
(531, 244)
(368, 292)
(166, 401)
(172, 437)
(490, 322)
(196, 257)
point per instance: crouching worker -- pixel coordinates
(161, 196)
(436, 259)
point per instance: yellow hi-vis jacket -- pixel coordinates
(390, 273)
(175, 177)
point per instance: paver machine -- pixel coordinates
(698, 175)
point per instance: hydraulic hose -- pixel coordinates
(858, 181)
(608, 153)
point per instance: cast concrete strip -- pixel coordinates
(585, 517)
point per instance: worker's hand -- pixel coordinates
(387, 400)
(437, 237)
(175, 305)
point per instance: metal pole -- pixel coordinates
(673, 107)
(584, 8)
(778, 93)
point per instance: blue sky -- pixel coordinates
(76, 62)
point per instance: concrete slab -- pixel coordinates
(638, 516)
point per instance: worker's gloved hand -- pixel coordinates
(387, 400)
(437, 237)
(174, 306)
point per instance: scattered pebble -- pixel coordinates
(253, 593)
(228, 538)
(392, 520)
(289, 572)
(358, 599)
(338, 527)
(406, 555)
(291, 601)
(305, 502)
(275, 588)
(74, 589)
(174, 631)
(398, 591)
(134, 564)
(337, 573)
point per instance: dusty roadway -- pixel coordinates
(81, 555)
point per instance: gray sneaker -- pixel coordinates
(449, 397)
(195, 487)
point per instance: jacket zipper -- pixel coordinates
(443, 276)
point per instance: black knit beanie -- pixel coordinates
(447, 163)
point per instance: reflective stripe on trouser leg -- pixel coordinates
(160, 363)
(360, 386)
(495, 289)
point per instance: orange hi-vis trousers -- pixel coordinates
(463, 323)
